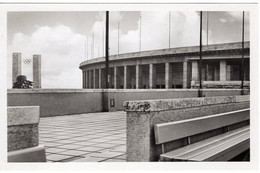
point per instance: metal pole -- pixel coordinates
(140, 44)
(118, 39)
(107, 49)
(93, 44)
(200, 53)
(169, 29)
(103, 42)
(242, 59)
(87, 48)
(207, 28)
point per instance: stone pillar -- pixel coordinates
(151, 75)
(185, 74)
(125, 77)
(137, 74)
(17, 70)
(99, 78)
(223, 70)
(94, 78)
(194, 70)
(87, 80)
(37, 71)
(90, 79)
(228, 77)
(83, 79)
(168, 75)
(115, 77)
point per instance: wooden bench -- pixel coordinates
(222, 147)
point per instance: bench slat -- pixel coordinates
(227, 147)
(175, 130)
(202, 145)
(230, 149)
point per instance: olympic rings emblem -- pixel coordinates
(27, 61)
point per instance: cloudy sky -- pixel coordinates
(65, 39)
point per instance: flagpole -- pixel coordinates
(140, 47)
(200, 54)
(118, 39)
(87, 48)
(207, 28)
(93, 43)
(169, 29)
(107, 48)
(242, 59)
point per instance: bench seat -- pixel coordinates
(218, 148)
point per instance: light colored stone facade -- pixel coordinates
(171, 68)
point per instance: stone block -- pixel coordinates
(242, 98)
(34, 154)
(20, 115)
(143, 115)
(22, 136)
(22, 125)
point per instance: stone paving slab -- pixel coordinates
(91, 137)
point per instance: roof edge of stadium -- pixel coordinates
(178, 50)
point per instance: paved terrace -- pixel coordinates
(91, 137)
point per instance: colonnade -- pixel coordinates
(161, 75)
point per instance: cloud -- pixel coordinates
(155, 32)
(61, 49)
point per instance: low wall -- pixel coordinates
(143, 115)
(55, 102)
(23, 138)
(22, 125)
(119, 96)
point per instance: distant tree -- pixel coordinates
(22, 82)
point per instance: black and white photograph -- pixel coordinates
(130, 83)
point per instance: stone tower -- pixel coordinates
(36, 71)
(17, 70)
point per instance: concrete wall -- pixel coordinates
(55, 102)
(143, 115)
(23, 138)
(22, 125)
(119, 96)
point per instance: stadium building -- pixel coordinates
(171, 68)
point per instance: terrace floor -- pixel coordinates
(91, 137)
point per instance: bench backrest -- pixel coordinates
(171, 131)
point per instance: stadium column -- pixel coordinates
(115, 78)
(151, 75)
(16, 66)
(137, 76)
(37, 71)
(223, 70)
(194, 71)
(168, 75)
(83, 79)
(99, 78)
(86, 79)
(90, 78)
(185, 74)
(94, 78)
(125, 77)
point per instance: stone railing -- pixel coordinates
(143, 115)
(222, 84)
(23, 139)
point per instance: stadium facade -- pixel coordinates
(171, 68)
